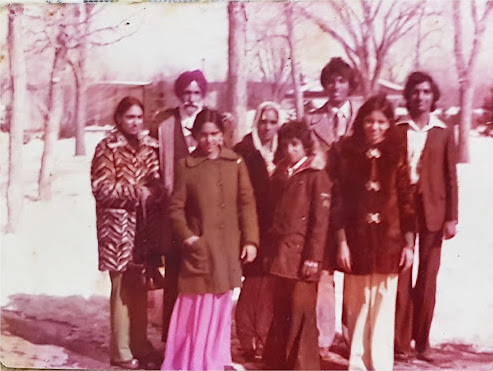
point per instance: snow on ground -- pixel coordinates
(55, 252)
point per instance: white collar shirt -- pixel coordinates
(341, 117)
(187, 125)
(416, 140)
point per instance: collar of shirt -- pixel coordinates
(342, 111)
(296, 166)
(434, 122)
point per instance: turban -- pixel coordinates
(186, 79)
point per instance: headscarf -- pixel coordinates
(186, 79)
(267, 153)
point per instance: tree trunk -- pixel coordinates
(237, 69)
(466, 92)
(295, 71)
(55, 113)
(15, 187)
(80, 147)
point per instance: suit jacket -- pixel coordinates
(167, 129)
(438, 175)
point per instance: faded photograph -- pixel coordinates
(246, 185)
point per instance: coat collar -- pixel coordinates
(116, 139)
(434, 122)
(312, 163)
(196, 158)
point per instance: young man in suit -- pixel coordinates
(430, 147)
(330, 123)
(173, 129)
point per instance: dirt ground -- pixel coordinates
(54, 302)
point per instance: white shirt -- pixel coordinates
(416, 140)
(343, 115)
(187, 125)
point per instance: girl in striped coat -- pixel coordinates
(125, 183)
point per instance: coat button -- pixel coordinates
(223, 205)
(220, 184)
(303, 218)
(221, 226)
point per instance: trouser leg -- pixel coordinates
(172, 270)
(119, 320)
(302, 345)
(326, 309)
(357, 301)
(137, 305)
(382, 312)
(404, 313)
(245, 313)
(425, 289)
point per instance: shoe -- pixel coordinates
(152, 361)
(402, 357)
(324, 352)
(426, 356)
(132, 364)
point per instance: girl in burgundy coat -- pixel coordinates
(373, 216)
(301, 192)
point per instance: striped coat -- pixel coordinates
(126, 230)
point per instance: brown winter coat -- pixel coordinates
(213, 199)
(301, 217)
(375, 245)
(127, 232)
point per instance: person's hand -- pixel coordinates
(449, 229)
(310, 267)
(248, 253)
(190, 240)
(407, 258)
(146, 193)
(344, 256)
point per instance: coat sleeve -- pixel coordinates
(452, 197)
(405, 196)
(177, 205)
(318, 222)
(246, 207)
(107, 189)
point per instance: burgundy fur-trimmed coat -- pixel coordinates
(127, 230)
(374, 216)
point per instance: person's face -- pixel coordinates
(295, 150)
(421, 98)
(267, 125)
(337, 89)
(192, 98)
(132, 120)
(375, 125)
(210, 139)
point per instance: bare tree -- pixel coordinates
(67, 33)
(466, 64)
(367, 30)
(295, 70)
(237, 69)
(15, 188)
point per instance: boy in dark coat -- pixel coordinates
(301, 191)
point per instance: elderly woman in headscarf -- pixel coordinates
(254, 308)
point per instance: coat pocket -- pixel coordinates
(196, 259)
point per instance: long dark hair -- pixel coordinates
(375, 103)
(123, 107)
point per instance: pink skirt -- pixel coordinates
(199, 336)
